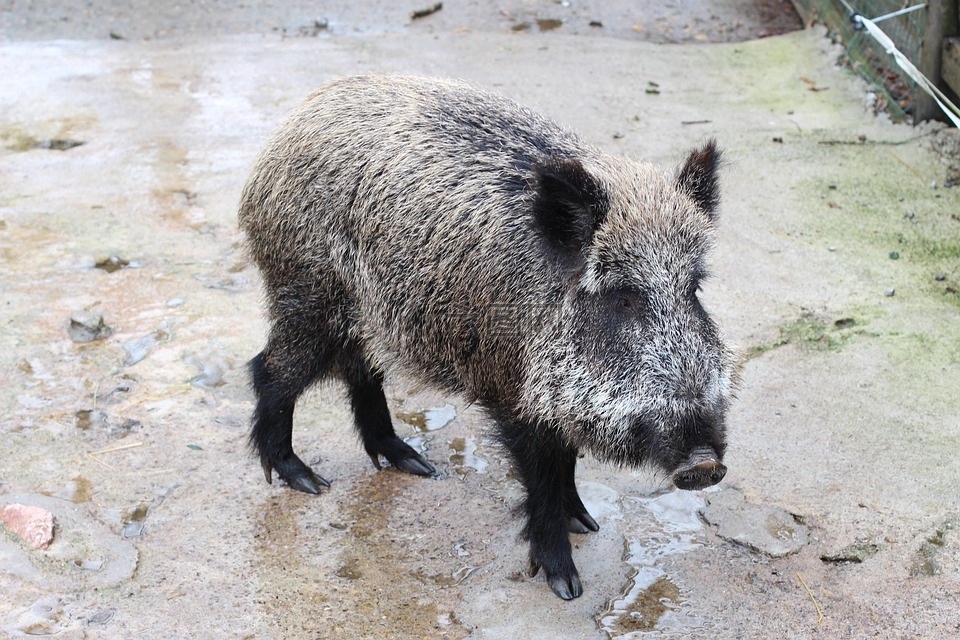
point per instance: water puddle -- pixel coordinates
(601, 501)
(463, 457)
(651, 601)
(429, 419)
(110, 264)
(549, 24)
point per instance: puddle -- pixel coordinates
(111, 264)
(87, 418)
(463, 456)
(429, 419)
(651, 601)
(384, 584)
(642, 608)
(418, 442)
(77, 491)
(549, 24)
(45, 617)
(600, 500)
(134, 521)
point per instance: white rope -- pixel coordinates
(948, 107)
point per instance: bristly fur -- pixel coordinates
(425, 226)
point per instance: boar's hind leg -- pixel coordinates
(372, 417)
(277, 383)
(578, 519)
(545, 466)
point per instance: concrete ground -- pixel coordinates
(837, 274)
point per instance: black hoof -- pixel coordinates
(295, 473)
(402, 456)
(566, 587)
(582, 523)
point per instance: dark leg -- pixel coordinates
(277, 387)
(545, 466)
(372, 417)
(578, 519)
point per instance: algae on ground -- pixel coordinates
(813, 332)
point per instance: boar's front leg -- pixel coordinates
(545, 467)
(372, 416)
(578, 519)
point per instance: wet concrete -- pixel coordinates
(669, 21)
(139, 437)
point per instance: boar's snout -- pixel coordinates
(701, 469)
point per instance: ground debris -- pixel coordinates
(927, 561)
(88, 326)
(768, 530)
(856, 552)
(416, 14)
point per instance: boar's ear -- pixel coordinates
(570, 204)
(698, 177)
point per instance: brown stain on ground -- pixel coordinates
(386, 583)
(643, 614)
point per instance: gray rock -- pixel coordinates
(769, 530)
(87, 326)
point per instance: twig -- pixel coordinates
(908, 166)
(119, 448)
(96, 459)
(810, 593)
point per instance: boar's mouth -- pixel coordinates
(701, 469)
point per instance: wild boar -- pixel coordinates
(423, 226)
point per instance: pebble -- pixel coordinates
(889, 292)
(88, 326)
(33, 524)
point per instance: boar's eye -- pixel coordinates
(629, 302)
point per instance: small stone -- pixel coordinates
(889, 292)
(33, 524)
(175, 302)
(831, 248)
(940, 277)
(87, 326)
